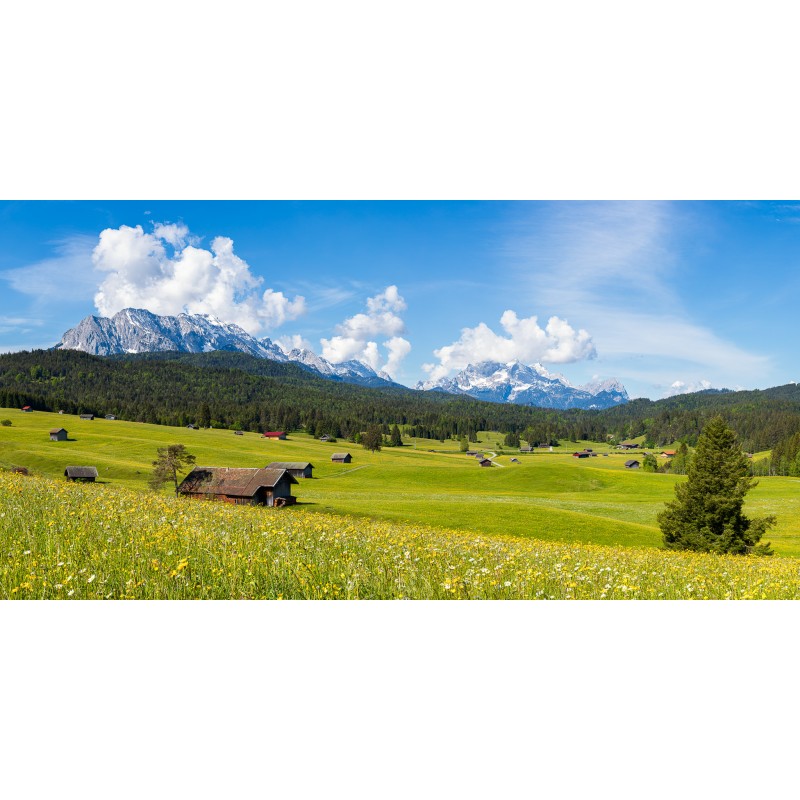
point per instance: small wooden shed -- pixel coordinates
(299, 469)
(58, 434)
(632, 464)
(342, 458)
(486, 462)
(83, 474)
(240, 486)
(89, 417)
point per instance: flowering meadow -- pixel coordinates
(60, 540)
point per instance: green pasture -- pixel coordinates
(548, 496)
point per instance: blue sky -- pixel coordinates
(665, 296)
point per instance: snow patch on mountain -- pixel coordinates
(134, 330)
(518, 383)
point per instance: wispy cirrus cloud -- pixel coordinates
(612, 267)
(67, 275)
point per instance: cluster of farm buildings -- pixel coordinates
(269, 486)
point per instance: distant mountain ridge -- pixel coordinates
(521, 384)
(135, 330)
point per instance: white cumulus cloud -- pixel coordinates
(526, 341)
(293, 342)
(167, 272)
(356, 337)
(682, 387)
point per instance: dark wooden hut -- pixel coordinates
(83, 474)
(241, 486)
(299, 469)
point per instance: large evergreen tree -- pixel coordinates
(707, 512)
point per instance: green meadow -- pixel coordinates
(547, 496)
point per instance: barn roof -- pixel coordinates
(57, 430)
(340, 455)
(232, 481)
(81, 472)
(274, 433)
(631, 462)
(289, 465)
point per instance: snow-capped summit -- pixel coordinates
(135, 330)
(515, 382)
(347, 371)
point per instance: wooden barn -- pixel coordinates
(486, 462)
(581, 454)
(58, 434)
(27, 409)
(241, 486)
(83, 474)
(342, 458)
(632, 464)
(89, 417)
(275, 434)
(298, 469)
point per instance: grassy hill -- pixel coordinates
(547, 496)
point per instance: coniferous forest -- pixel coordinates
(234, 390)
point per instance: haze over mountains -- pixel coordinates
(140, 331)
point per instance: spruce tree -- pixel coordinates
(397, 438)
(372, 438)
(707, 512)
(680, 461)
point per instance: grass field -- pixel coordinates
(547, 496)
(60, 541)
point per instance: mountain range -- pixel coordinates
(139, 331)
(514, 382)
(135, 330)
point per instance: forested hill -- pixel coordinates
(238, 390)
